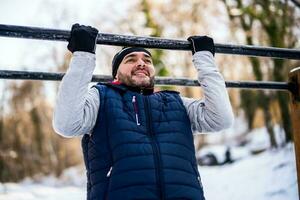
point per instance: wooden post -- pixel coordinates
(294, 80)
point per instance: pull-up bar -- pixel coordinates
(147, 42)
(46, 76)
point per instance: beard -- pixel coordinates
(140, 83)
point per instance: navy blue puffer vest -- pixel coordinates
(141, 148)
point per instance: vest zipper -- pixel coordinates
(109, 172)
(155, 147)
(135, 107)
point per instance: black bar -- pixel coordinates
(46, 76)
(148, 42)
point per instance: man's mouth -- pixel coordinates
(141, 73)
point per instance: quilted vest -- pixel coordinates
(141, 148)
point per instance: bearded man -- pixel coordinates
(137, 143)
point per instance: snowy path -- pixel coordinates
(267, 176)
(35, 192)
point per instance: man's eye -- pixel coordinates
(148, 61)
(129, 60)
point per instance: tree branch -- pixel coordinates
(297, 3)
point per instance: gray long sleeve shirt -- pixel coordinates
(77, 105)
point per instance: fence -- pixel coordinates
(292, 86)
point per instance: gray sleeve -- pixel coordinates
(77, 105)
(213, 112)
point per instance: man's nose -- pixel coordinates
(141, 63)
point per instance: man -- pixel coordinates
(138, 144)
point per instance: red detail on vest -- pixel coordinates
(116, 82)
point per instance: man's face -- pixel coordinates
(137, 70)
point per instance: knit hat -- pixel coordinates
(121, 54)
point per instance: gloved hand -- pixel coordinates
(82, 38)
(202, 43)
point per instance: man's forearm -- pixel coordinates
(214, 112)
(77, 106)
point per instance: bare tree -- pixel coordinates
(270, 23)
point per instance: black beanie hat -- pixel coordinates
(121, 54)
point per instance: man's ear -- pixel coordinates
(116, 77)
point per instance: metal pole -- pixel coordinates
(46, 76)
(147, 42)
(294, 79)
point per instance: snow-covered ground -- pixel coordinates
(69, 186)
(270, 175)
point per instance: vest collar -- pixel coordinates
(123, 87)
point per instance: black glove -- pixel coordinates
(202, 43)
(82, 38)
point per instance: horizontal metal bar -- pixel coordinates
(46, 76)
(147, 42)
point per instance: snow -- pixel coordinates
(270, 175)
(266, 176)
(70, 185)
(257, 140)
(36, 191)
(219, 151)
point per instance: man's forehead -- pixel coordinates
(136, 53)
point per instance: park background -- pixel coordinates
(36, 163)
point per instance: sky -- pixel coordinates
(48, 14)
(37, 55)
(30, 54)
